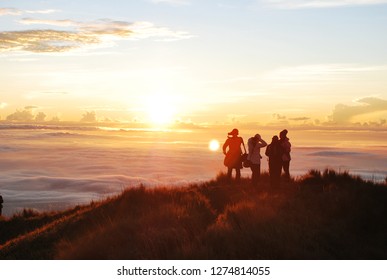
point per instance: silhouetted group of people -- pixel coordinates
(278, 153)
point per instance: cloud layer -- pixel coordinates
(172, 2)
(9, 11)
(299, 4)
(82, 34)
(16, 12)
(344, 113)
(58, 166)
(319, 73)
(44, 41)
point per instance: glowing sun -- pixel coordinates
(160, 109)
(214, 145)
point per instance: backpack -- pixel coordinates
(274, 151)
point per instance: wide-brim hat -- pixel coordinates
(234, 132)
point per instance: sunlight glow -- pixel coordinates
(160, 109)
(214, 145)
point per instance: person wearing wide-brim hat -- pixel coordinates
(232, 148)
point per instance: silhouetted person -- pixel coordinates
(233, 154)
(254, 145)
(1, 205)
(274, 151)
(286, 146)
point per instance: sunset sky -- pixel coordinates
(302, 62)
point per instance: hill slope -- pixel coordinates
(319, 216)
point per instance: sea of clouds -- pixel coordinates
(55, 167)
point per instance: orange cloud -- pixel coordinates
(44, 41)
(9, 11)
(344, 113)
(83, 34)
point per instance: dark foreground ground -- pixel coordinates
(323, 215)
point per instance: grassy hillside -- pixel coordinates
(323, 215)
